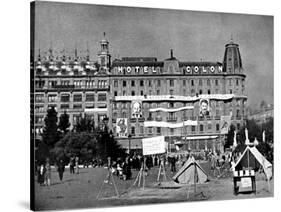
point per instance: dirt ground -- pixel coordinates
(81, 190)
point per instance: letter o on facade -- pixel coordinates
(212, 68)
(129, 69)
(196, 69)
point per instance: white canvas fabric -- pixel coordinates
(187, 172)
(267, 166)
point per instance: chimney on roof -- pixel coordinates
(172, 56)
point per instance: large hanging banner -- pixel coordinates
(204, 109)
(122, 127)
(225, 124)
(171, 109)
(136, 107)
(168, 124)
(177, 97)
(154, 145)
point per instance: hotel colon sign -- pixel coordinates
(192, 104)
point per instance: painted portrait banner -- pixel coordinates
(136, 107)
(225, 124)
(204, 109)
(154, 145)
(122, 127)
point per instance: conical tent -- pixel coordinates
(190, 173)
(252, 158)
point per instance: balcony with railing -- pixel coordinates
(171, 119)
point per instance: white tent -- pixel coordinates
(251, 157)
(190, 173)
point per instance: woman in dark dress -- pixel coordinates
(61, 169)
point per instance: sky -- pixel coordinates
(192, 35)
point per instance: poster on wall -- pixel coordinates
(154, 145)
(122, 127)
(225, 124)
(136, 107)
(204, 109)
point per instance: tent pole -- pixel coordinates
(248, 160)
(195, 173)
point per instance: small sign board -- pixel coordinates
(154, 145)
(246, 182)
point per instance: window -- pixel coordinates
(64, 106)
(141, 83)
(39, 109)
(141, 129)
(172, 131)
(158, 83)
(124, 105)
(238, 113)
(115, 93)
(217, 127)
(65, 82)
(141, 93)
(77, 97)
(124, 83)
(192, 82)
(52, 83)
(184, 92)
(158, 130)
(171, 105)
(150, 92)
(209, 126)
(200, 82)
(171, 92)
(114, 105)
(216, 82)
(114, 115)
(209, 91)
(39, 97)
(230, 82)
(39, 119)
(208, 82)
(230, 91)
(65, 97)
(124, 115)
(158, 92)
(193, 128)
(124, 93)
(90, 97)
(184, 82)
(200, 91)
(133, 83)
(115, 83)
(77, 106)
(149, 83)
(237, 82)
(39, 83)
(133, 93)
(201, 127)
(102, 97)
(77, 83)
(238, 126)
(171, 82)
(133, 130)
(150, 130)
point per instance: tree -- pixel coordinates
(64, 122)
(81, 144)
(50, 131)
(84, 125)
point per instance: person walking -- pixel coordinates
(61, 169)
(47, 180)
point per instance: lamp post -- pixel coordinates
(129, 138)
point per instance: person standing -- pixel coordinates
(173, 164)
(48, 173)
(77, 165)
(41, 174)
(61, 169)
(72, 164)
